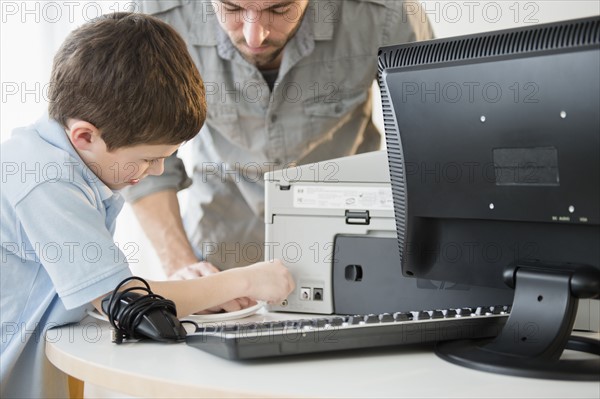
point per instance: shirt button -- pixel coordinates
(273, 118)
(338, 108)
(277, 161)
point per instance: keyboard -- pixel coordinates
(253, 340)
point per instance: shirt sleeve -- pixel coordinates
(69, 237)
(173, 178)
(407, 22)
(156, 6)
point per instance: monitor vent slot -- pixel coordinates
(395, 160)
(537, 38)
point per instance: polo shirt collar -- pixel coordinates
(54, 133)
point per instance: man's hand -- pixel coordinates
(194, 270)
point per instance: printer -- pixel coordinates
(307, 206)
(332, 224)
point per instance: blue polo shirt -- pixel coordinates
(57, 252)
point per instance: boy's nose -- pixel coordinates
(157, 168)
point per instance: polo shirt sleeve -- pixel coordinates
(67, 231)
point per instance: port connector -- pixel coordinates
(305, 294)
(318, 294)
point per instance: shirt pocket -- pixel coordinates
(327, 113)
(334, 105)
(223, 120)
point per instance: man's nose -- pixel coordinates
(255, 32)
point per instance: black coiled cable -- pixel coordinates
(126, 315)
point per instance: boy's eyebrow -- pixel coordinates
(276, 5)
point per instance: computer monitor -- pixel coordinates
(493, 144)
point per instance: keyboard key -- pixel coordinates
(437, 314)
(465, 312)
(482, 310)
(292, 323)
(497, 309)
(207, 329)
(252, 329)
(421, 315)
(401, 316)
(232, 328)
(276, 326)
(386, 318)
(304, 323)
(318, 323)
(371, 318)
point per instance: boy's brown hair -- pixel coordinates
(131, 76)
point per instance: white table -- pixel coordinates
(151, 369)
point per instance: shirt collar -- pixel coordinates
(54, 133)
(205, 26)
(322, 15)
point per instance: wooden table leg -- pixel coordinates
(75, 388)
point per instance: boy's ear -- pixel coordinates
(83, 135)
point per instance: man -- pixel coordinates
(288, 82)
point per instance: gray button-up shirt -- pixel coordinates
(320, 108)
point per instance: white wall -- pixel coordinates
(455, 18)
(31, 32)
(452, 18)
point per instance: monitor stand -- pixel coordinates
(538, 328)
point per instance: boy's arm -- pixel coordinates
(266, 281)
(192, 296)
(160, 218)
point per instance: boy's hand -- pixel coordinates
(201, 269)
(270, 281)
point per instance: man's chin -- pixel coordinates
(260, 58)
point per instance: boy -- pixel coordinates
(124, 95)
